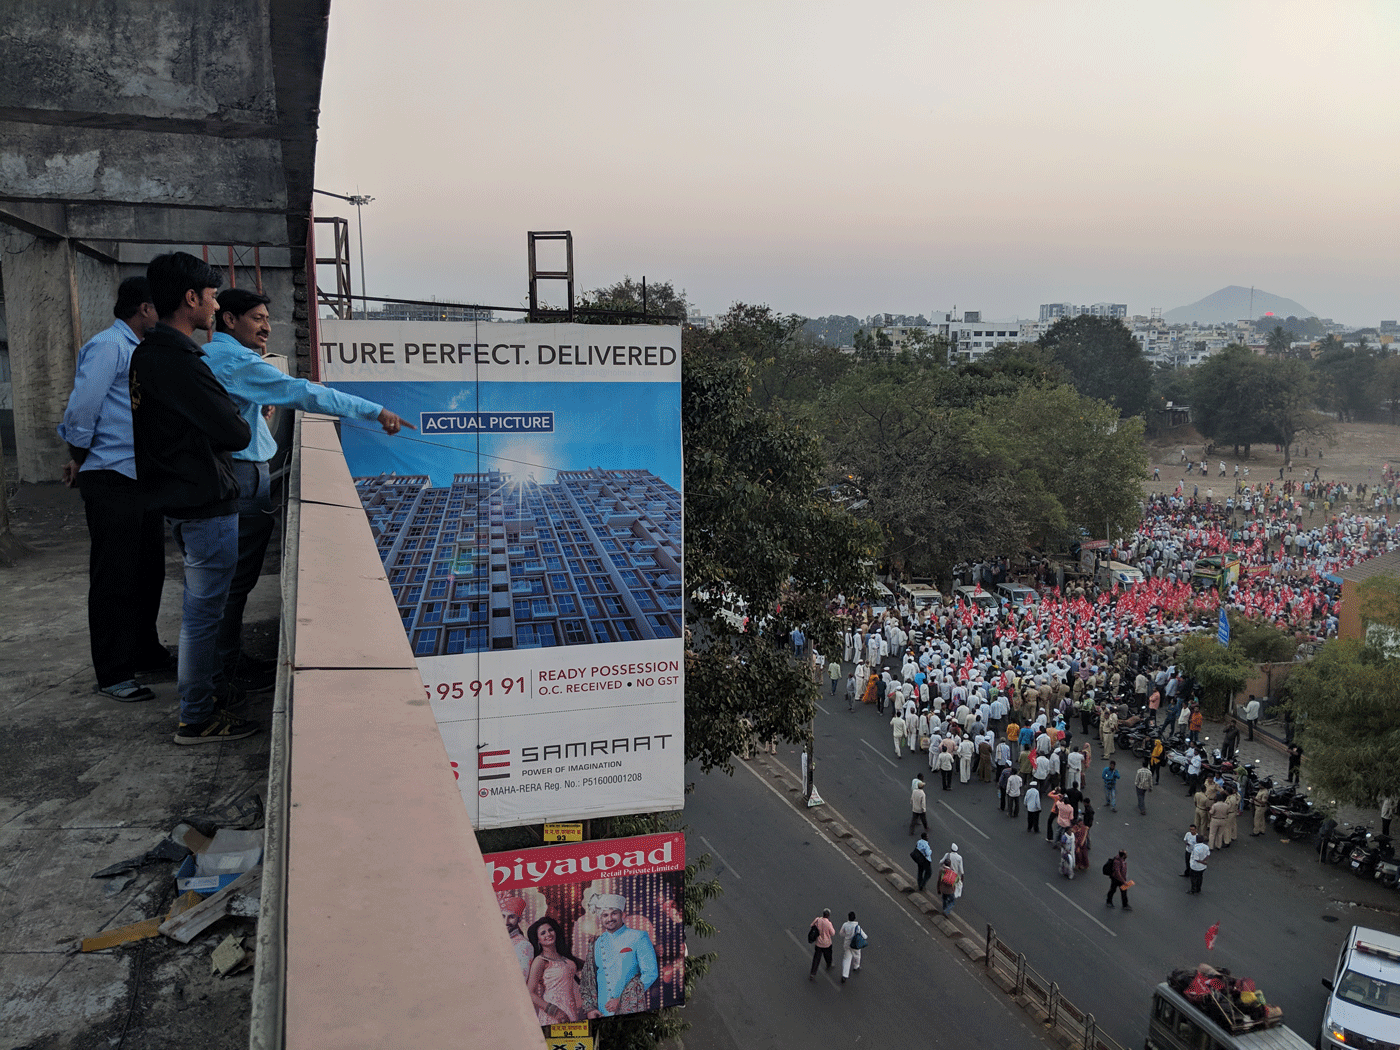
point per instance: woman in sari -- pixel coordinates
(1080, 833)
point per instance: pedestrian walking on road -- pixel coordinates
(1142, 782)
(918, 805)
(1189, 841)
(1032, 808)
(852, 941)
(950, 878)
(922, 853)
(1013, 795)
(834, 670)
(820, 936)
(1110, 785)
(1067, 853)
(1200, 853)
(897, 729)
(851, 691)
(945, 766)
(1116, 868)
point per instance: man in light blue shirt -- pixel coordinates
(235, 355)
(126, 563)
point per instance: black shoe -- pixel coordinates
(1109, 903)
(217, 727)
(1127, 907)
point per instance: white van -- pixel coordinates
(1017, 596)
(1364, 1009)
(982, 599)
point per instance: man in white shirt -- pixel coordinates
(1199, 854)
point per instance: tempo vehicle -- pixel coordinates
(1364, 1008)
(922, 596)
(1176, 1024)
(1216, 572)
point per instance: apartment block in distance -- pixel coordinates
(495, 562)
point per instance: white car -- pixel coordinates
(1018, 596)
(1364, 1009)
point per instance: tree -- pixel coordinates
(1221, 670)
(1239, 398)
(1346, 379)
(1280, 342)
(1346, 701)
(1101, 360)
(1388, 384)
(662, 303)
(757, 533)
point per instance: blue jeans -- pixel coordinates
(1110, 795)
(210, 547)
(255, 523)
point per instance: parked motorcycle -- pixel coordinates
(1387, 871)
(1338, 847)
(1366, 856)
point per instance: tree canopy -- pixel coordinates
(1239, 398)
(1101, 360)
(1346, 702)
(759, 535)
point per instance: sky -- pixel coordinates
(853, 158)
(614, 426)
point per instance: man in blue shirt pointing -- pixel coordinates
(235, 355)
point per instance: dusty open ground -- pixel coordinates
(1358, 453)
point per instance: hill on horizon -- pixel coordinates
(1232, 304)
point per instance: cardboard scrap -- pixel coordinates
(231, 956)
(139, 931)
(185, 927)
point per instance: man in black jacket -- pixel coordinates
(185, 426)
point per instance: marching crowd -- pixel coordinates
(993, 695)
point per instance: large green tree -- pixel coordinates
(760, 536)
(1346, 701)
(1239, 398)
(1102, 360)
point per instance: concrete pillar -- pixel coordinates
(51, 295)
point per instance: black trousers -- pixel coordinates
(818, 953)
(255, 522)
(126, 570)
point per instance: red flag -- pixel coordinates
(1211, 935)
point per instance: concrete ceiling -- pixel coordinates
(126, 122)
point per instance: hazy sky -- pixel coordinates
(852, 158)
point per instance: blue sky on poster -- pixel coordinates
(856, 157)
(616, 426)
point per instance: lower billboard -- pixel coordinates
(596, 926)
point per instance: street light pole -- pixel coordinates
(358, 200)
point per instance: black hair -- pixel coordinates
(237, 301)
(131, 293)
(851, 916)
(561, 943)
(174, 274)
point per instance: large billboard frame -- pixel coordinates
(532, 536)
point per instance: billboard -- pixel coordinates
(531, 534)
(596, 926)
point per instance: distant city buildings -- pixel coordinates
(496, 562)
(422, 312)
(1054, 311)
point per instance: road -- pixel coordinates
(1282, 915)
(779, 870)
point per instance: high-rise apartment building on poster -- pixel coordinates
(498, 562)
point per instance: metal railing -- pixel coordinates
(1037, 993)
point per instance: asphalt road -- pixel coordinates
(1282, 916)
(779, 870)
